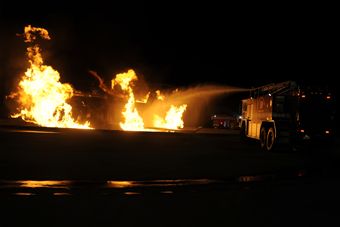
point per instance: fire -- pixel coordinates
(145, 99)
(159, 96)
(41, 96)
(173, 118)
(132, 120)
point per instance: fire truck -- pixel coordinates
(288, 113)
(224, 121)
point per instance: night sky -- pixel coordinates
(172, 44)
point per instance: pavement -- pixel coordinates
(52, 153)
(70, 177)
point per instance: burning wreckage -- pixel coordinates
(43, 100)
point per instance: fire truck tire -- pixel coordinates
(263, 138)
(270, 141)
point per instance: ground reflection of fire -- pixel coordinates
(43, 100)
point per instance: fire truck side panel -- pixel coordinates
(255, 112)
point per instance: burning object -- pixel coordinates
(43, 100)
(133, 120)
(41, 97)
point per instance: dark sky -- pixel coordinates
(174, 44)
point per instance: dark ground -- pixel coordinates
(207, 178)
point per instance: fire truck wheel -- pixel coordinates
(263, 137)
(270, 139)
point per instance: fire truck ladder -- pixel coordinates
(274, 88)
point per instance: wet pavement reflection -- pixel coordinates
(165, 187)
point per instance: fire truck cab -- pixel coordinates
(287, 112)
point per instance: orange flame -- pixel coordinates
(145, 99)
(159, 96)
(41, 96)
(173, 118)
(132, 120)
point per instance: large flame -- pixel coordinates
(132, 119)
(41, 96)
(173, 118)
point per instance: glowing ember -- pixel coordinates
(173, 118)
(132, 120)
(41, 96)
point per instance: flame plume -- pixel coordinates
(132, 120)
(41, 96)
(173, 118)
